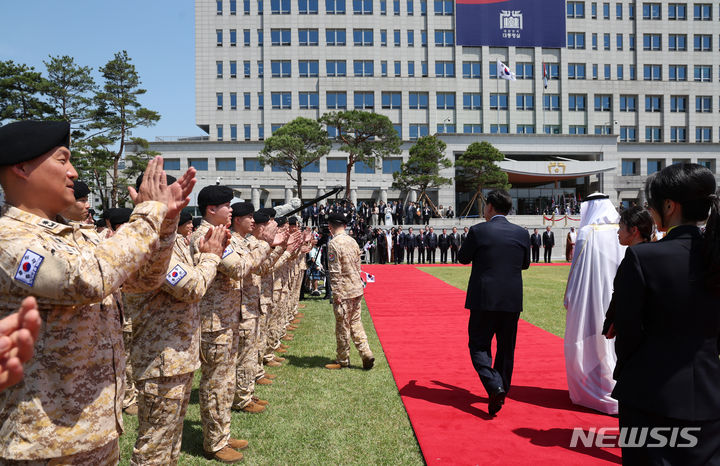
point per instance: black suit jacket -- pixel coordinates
(668, 329)
(431, 240)
(499, 252)
(420, 240)
(409, 242)
(548, 239)
(443, 241)
(455, 240)
(535, 240)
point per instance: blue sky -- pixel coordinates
(157, 34)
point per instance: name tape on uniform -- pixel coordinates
(175, 275)
(28, 268)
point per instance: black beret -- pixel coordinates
(215, 195)
(118, 216)
(196, 222)
(261, 217)
(100, 223)
(81, 189)
(337, 217)
(185, 217)
(240, 209)
(281, 221)
(25, 140)
(170, 180)
(269, 211)
(293, 220)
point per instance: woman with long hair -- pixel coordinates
(667, 321)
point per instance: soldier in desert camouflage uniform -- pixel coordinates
(166, 344)
(68, 408)
(347, 286)
(220, 319)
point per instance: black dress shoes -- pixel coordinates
(497, 400)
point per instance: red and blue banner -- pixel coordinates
(520, 23)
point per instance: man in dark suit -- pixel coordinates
(314, 214)
(398, 245)
(443, 244)
(535, 242)
(425, 215)
(409, 244)
(548, 241)
(463, 235)
(431, 245)
(499, 251)
(454, 245)
(420, 245)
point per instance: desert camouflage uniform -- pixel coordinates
(220, 317)
(266, 301)
(165, 352)
(70, 400)
(131, 392)
(276, 312)
(347, 288)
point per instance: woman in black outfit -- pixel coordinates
(667, 321)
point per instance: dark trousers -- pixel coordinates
(548, 255)
(431, 255)
(535, 253)
(410, 255)
(398, 254)
(381, 254)
(706, 452)
(453, 254)
(483, 326)
(421, 255)
(443, 255)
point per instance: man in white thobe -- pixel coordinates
(589, 356)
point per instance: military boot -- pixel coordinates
(253, 408)
(238, 444)
(225, 455)
(260, 402)
(264, 381)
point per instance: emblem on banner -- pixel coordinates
(556, 168)
(511, 23)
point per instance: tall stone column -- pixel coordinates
(353, 196)
(255, 198)
(288, 194)
(383, 195)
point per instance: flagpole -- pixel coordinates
(543, 102)
(497, 98)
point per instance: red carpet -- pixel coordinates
(422, 325)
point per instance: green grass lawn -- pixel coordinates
(543, 291)
(316, 416)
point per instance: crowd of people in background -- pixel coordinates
(377, 213)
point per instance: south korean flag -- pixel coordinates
(175, 275)
(28, 268)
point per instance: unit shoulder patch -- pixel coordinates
(28, 268)
(175, 275)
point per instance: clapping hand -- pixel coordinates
(154, 188)
(18, 333)
(294, 241)
(279, 237)
(215, 240)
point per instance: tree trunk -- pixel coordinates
(299, 184)
(348, 170)
(480, 202)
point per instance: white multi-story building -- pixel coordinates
(636, 88)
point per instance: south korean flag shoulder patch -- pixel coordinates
(175, 275)
(228, 250)
(28, 268)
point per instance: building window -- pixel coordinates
(618, 11)
(524, 102)
(391, 165)
(576, 40)
(219, 69)
(628, 103)
(246, 100)
(219, 6)
(525, 129)
(383, 68)
(446, 128)
(274, 127)
(362, 7)
(336, 100)
(524, 71)
(653, 134)
(280, 7)
(576, 70)
(603, 103)
(472, 128)
(444, 38)
(363, 68)
(677, 12)
(606, 11)
(606, 72)
(335, 7)
(652, 42)
(424, 68)
(499, 129)
(619, 72)
(411, 69)
(628, 134)
(445, 100)
(252, 165)
(261, 132)
(594, 41)
(678, 134)
(577, 102)
(202, 164)
(396, 38)
(619, 41)
(308, 7)
(710, 164)
(443, 7)
(261, 101)
(702, 42)
(703, 73)
(630, 167)
(280, 36)
(655, 165)
(606, 41)
(652, 72)
(280, 68)
(653, 103)
(472, 101)
(418, 100)
(383, 37)
(703, 134)
(678, 103)
(261, 68)
(445, 69)
(551, 129)
(336, 165)
(575, 9)
(391, 100)
(398, 68)
(363, 168)
(603, 129)
(281, 100)
(336, 68)
(411, 38)
(233, 101)
(362, 37)
(410, 7)
(308, 37)
(498, 101)
(677, 72)
(219, 100)
(471, 69)
(423, 38)
(219, 37)
(335, 37)
(364, 100)
(702, 12)
(577, 129)
(309, 68)
(551, 102)
(171, 164)
(246, 37)
(309, 100)
(260, 37)
(383, 7)
(247, 132)
(652, 11)
(396, 7)
(418, 131)
(703, 104)
(631, 41)
(226, 165)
